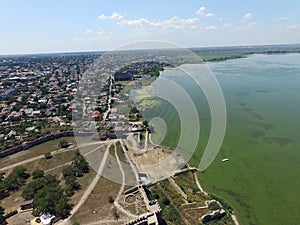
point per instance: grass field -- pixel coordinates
(97, 207)
(58, 160)
(34, 151)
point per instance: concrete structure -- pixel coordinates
(214, 215)
(47, 218)
(154, 211)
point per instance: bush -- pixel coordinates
(2, 219)
(115, 213)
(110, 199)
(223, 203)
(48, 155)
(37, 174)
(63, 143)
(165, 201)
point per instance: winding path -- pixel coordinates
(116, 202)
(52, 153)
(198, 184)
(90, 188)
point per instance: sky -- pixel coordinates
(40, 26)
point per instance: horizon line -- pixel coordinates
(100, 51)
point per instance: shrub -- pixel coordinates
(48, 155)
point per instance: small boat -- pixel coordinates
(225, 160)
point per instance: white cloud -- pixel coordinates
(283, 18)
(247, 16)
(210, 28)
(101, 32)
(201, 12)
(88, 31)
(249, 26)
(137, 22)
(227, 26)
(168, 24)
(209, 15)
(294, 27)
(113, 16)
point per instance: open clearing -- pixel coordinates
(97, 207)
(41, 149)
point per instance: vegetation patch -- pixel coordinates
(282, 142)
(257, 134)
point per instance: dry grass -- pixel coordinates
(48, 164)
(20, 219)
(121, 153)
(34, 151)
(12, 202)
(97, 207)
(84, 182)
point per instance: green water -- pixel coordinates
(261, 180)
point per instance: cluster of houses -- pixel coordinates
(37, 88)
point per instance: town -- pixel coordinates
(83, 103)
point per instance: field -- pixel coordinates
(34, 151)
(97, 206)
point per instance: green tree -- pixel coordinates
(48, 155)
(110, 199)
(145, 123)
(69, 171)
(63, 143)
(3, 190)
(72, 184)
(2, 219)
(21, 172)
(15, 179)
(37, 174)
(51, 178)
(80, 164)
(33, 187)
(51, 199)
(115, 213)
(37, 184)
(165, 201)
(62, 208)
